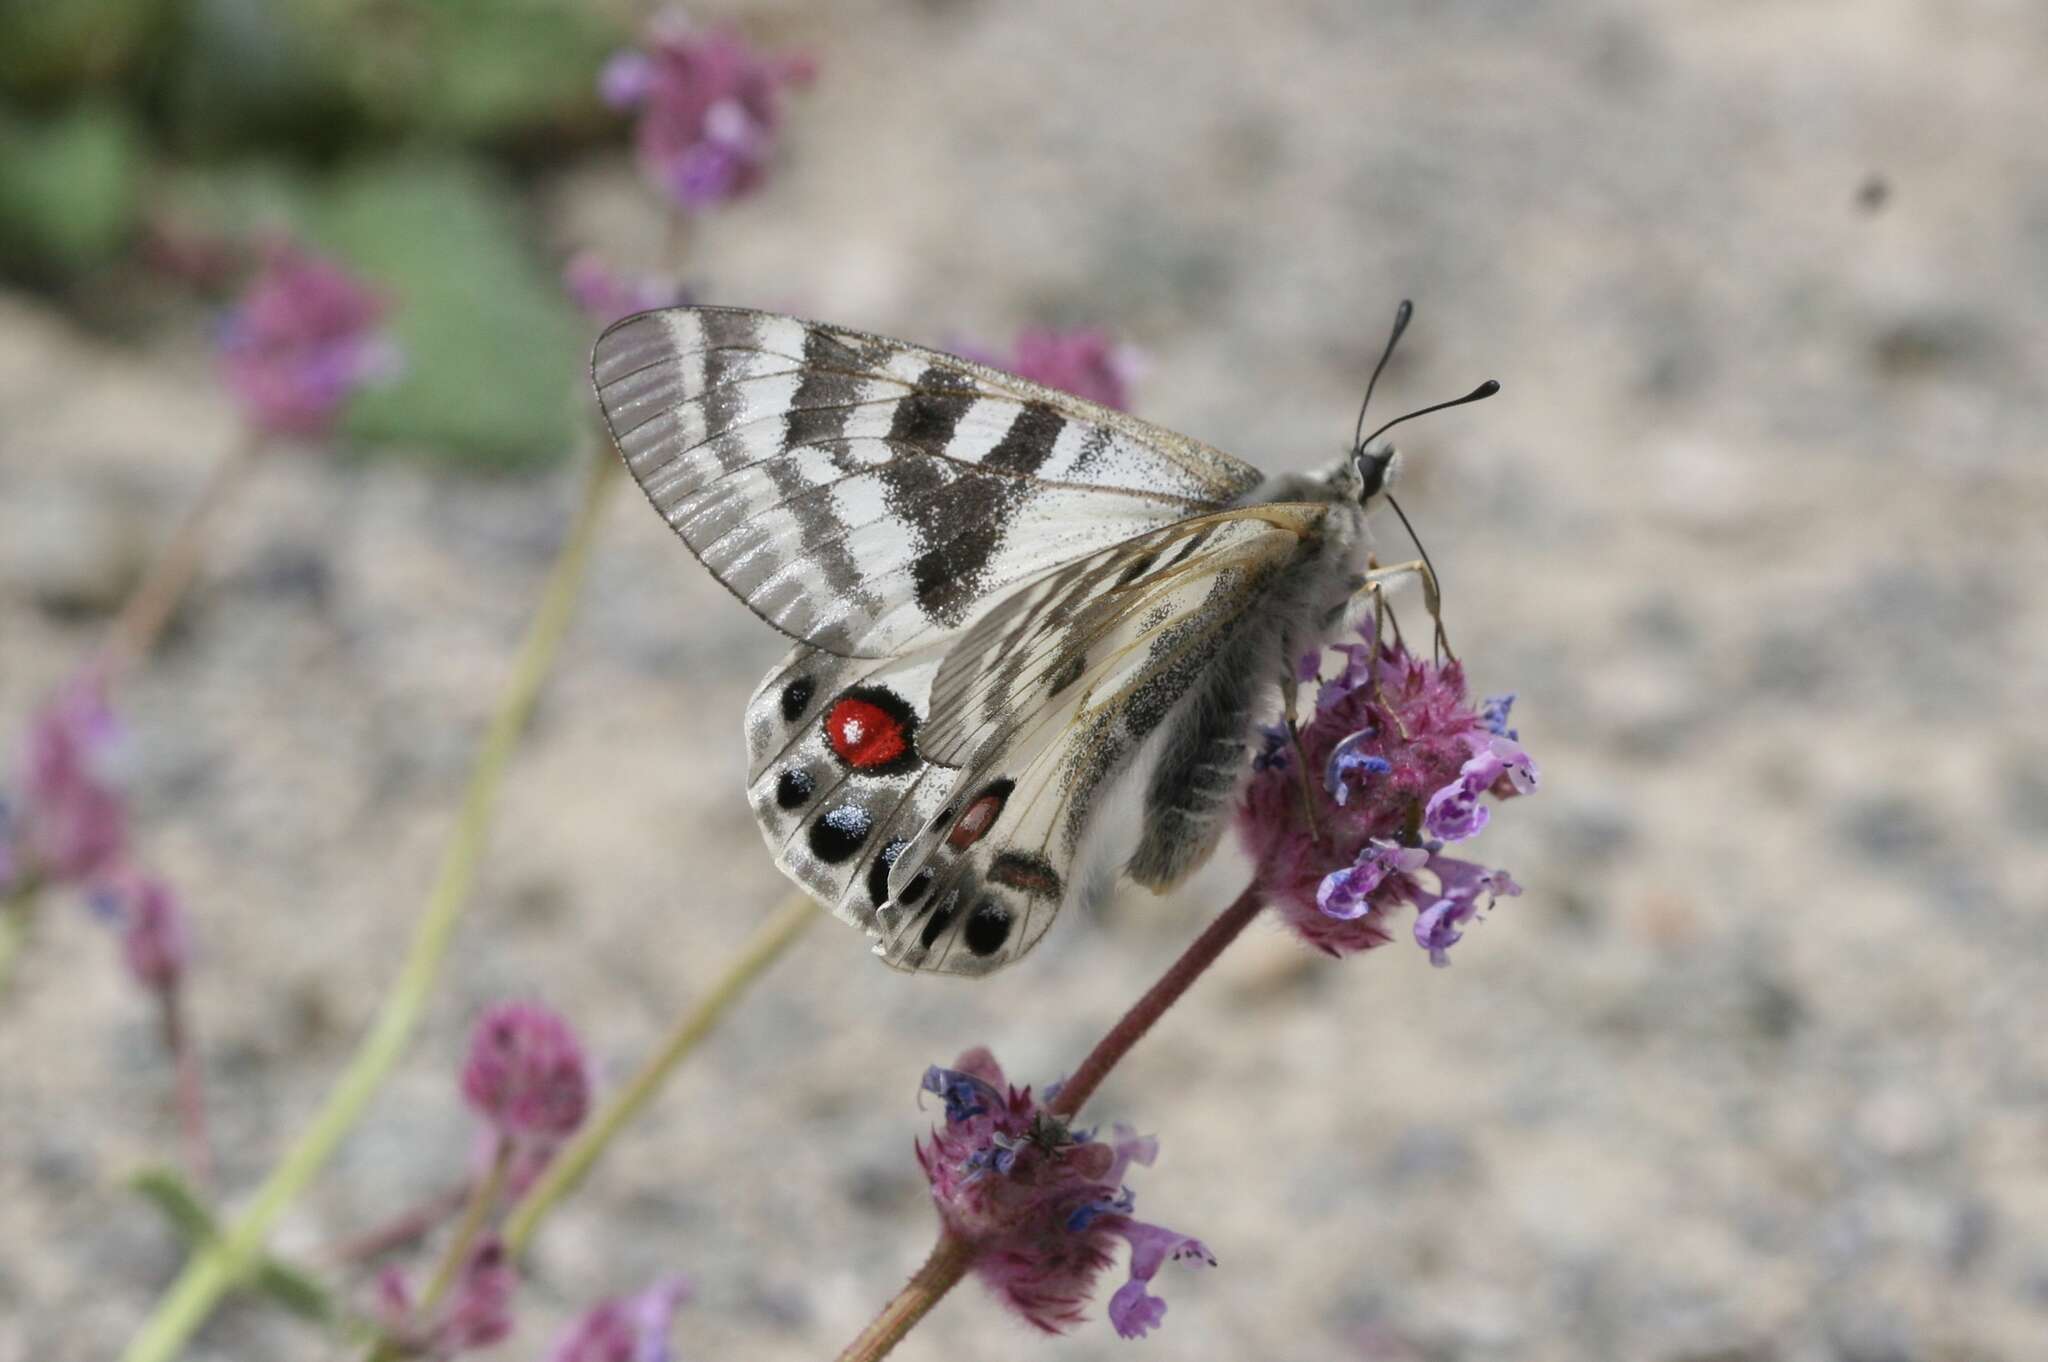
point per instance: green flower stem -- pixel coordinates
(567, 1168)
(17, 910)
(222, 1264)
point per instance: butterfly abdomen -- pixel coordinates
(1201, 755)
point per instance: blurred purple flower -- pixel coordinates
(302, 341)
(1041, 1204)
(710, 108)
(155, 945)
(625, 1328)
(476, 1314)
(70, 823)
(526, 1075)
(606, 296)
(1405, 760)
(1083, 362)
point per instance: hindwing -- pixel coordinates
(944, 799)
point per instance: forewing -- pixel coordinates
(866, 496)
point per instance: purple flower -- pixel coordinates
(71, 823)
(625, 1328)
(1461, 883)
(1351, 765)
(1084, 362)
(1272, 754)
(154, 942)
(1406, 760)
(476, 1314)
(526, 1075)
(1042, 1204)
(606, 296)
(710, 108)
(302, 341)
(1455, 813)
(1344, 894)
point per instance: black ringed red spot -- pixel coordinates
(873, 730)
(1022, 870)
(982, 812)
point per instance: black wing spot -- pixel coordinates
(796, 698)
(879, 868)
(838, 833)
(1070, 671)
(988, 927)
(794, 787)
(935, 925)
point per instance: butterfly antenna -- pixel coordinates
(1478, 394)
(1401, 315)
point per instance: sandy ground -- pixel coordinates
(1754, 1072)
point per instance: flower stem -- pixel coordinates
(1162, 995)
(467, 1228)
(941, 1272)
(567, 1168)
(17, 910)
(189, 1084)
(221, 1264)
(142, 619)
(409, 1227)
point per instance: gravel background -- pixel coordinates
(1754, 1072)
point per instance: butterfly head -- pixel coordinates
(1374, 468)
(1373, 462)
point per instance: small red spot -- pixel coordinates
(864, 734)
(975, 823)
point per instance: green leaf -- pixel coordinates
(296, 1291)
(166, 1190)
(67, 188)
(493, 349)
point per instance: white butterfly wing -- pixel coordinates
(868, 497)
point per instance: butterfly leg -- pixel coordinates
(1379, 578)
(1290, 702)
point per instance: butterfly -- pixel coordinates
(1014, 610)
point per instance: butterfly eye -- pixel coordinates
(1373, 468)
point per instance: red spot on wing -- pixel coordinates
(980, 815)
(864, 734)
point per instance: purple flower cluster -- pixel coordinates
(527, 1077)
(1040, 1204)
(476, 1313)
(605, 295)
(625, 1328)
(709, 106)
(1083, 362)
(146, 912)
(1399, 762)
(69, 824)
(303, 340)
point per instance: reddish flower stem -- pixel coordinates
(190, 1088)
(951, 1258)
(404, 1229)
(948, 1263)
(1162, 995)
(142, 620)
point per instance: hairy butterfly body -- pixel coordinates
(1012, 607)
